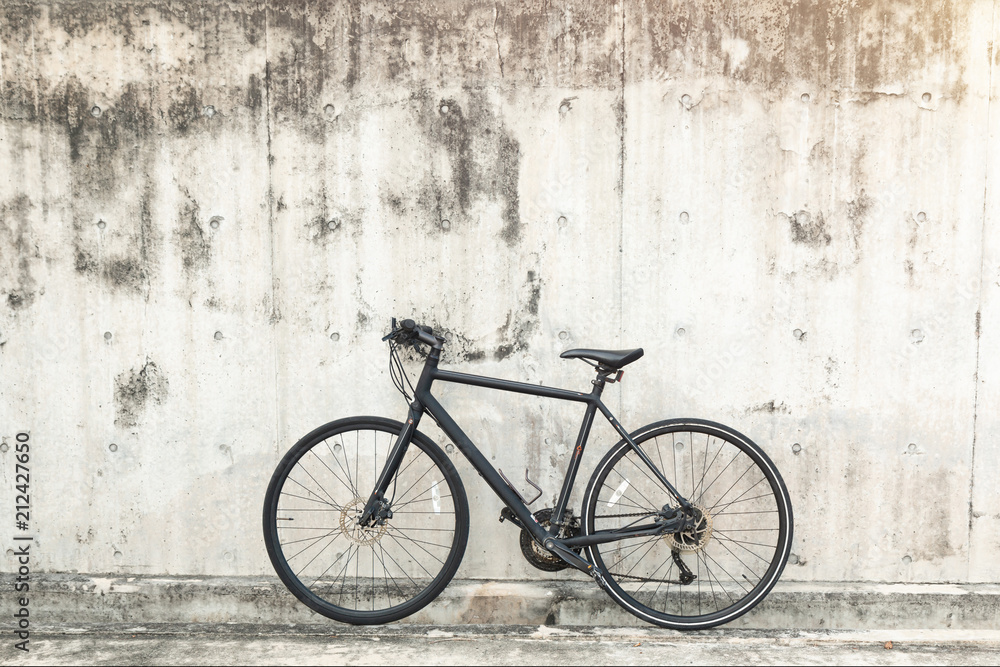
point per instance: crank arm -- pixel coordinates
(558, 548)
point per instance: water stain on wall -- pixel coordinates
(17, 252)
(838, 44)
(135, 390)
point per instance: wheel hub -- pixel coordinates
(696, 536)
(352, 530)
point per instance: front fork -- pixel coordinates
(377, 509)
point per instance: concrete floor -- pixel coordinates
(495, 645)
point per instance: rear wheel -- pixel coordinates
(731, 556)
(356, 574)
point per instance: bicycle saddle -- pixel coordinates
(610, 358)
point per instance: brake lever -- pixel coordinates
(395, 331)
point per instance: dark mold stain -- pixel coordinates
(135, 390)
(770, 407)
(184, 109)
(127, 273)
(196, 251)
(857, 213)
(484, 163)
(807, 231)
(15, 238)
(521, 324)
(255, 95)
(979, 322)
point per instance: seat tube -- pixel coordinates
(574, 462)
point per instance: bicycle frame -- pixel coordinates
(424, 402)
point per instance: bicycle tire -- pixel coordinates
(326, 478)
(737, 552)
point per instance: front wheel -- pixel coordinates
(357, 574)
(722, 565)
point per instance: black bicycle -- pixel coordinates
(685, 523)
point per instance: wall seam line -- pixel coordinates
(982, 272)
(621, 212)
(275, 317)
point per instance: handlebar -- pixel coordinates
(408, 330)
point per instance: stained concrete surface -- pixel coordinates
(210, 211)
(497, 645)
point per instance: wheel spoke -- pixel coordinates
(387, 568)
(717, 470)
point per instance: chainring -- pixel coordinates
(538, 555)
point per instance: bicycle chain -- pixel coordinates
(632, 576)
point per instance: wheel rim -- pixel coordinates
(335, 565)
(737, 549)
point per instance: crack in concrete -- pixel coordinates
(496, 17)
(275, 315)
(979, 310)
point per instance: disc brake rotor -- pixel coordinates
(695, 538)
(354, 532)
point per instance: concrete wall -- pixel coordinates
(210, 211)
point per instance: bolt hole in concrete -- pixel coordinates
(799, 334)
(679, 446)
(450, 448)
(443, 109)
(215, 221)
(209, 111)
(563, 335)
(337, 448)
(101, 224)
(917, 336)
(907, 560)
(335, 336)
(562, 220)
(446, 225)
(218, 335)
(684, 217)
(912, 447)
(333, 224)
(686, 101)
(564, 108)
(4, 447)
(228, 555)
(330, 111)
(796, 448)
(113, 447)
(95, 111)
(921, 217)
(805, 97)
(118, 556)
(107, 336)
(926, 97)
(681, 331)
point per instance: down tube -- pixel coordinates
(479, 462)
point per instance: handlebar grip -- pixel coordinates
(408, 325)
